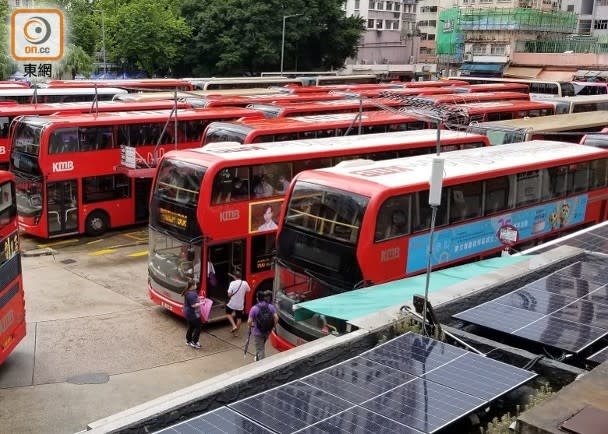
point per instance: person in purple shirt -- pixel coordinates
(192, 314)
(262, 319)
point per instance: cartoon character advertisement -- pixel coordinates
(453, 243)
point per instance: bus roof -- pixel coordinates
(49, 108)
(483, 107)
(583, 99)
(460, 98)
(298, 123)
(106, 118)
(563, 122)
(144, 82)
(61, 91)
(236, 151)
(410, 171)
(336, 103)
(146, 96)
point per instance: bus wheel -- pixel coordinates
(97, 223)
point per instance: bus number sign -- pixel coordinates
(173, 218)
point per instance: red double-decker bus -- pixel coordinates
(432, 83)
(497, 87)
(245, 100)
(220, 204)
(67, 182)
(346, 227)
(40, 96)
(8, 113)
(310, 127)
(12, 300)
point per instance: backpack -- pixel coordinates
(264, 319)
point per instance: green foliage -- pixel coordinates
(232, 37)
(6, 63)
(501, 426)
(75, 61)
(147, 34)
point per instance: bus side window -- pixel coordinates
(554, 182)
(465, 201)
(421, 211)
(222, 187)
(578, 177)
(318, 163)
(528, 188)
(598, 173)
(122, 136)
(498, 195)
(393, 218)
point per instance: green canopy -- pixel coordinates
(361, 302)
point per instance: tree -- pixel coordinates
(75, 61)
(147, 34)
(233, 37)
(6, 62)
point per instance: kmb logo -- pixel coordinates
(37, 34)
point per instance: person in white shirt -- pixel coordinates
(236, 303)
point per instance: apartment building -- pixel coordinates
(592, 16)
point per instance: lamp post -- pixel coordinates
(103, 40)
(283, 38)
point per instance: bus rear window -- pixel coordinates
(330, 212)
(179, 182)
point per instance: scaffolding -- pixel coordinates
(454, 22)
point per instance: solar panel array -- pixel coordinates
(567, 310)
(600, 357)
(593, 240)
(409, 385)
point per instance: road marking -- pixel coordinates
(136, 254)
(94, 241)
(58, 243)
(102, 252)
(139, 235)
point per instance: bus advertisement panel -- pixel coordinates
(220, 204)
(8, 113)
(347, 227)
(309, 127)
(66, 165)
(12, 300)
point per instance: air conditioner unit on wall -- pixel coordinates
(468, 57)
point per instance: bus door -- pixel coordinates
(142, 198)
(226, 258)
(62, 207)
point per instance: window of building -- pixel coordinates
(380, 6)
(479, 49)
(389, 6)
(357, 2)
(397, 7)
(378, 24)
(370, 24)
(371, 4)
(498, 50)
(600, 25)
(395, 25)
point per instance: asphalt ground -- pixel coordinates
(95, 343)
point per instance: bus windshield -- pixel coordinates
(179, 182)
(331, 213)
(218, 132)
(27, 137)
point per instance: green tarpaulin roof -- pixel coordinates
(362, 302)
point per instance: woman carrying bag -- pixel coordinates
(192, 314)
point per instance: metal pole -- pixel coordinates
(360, 114)
(103, 43)
(283, 43)
(428, 269)
(438, 143)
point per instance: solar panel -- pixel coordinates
(567, 310)
(424, 405)
(594, 240)
(565, 335)
(600, 357)
(409, 385)
(220, 421)
(291, 407)
(358, 379)
(358, 420)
